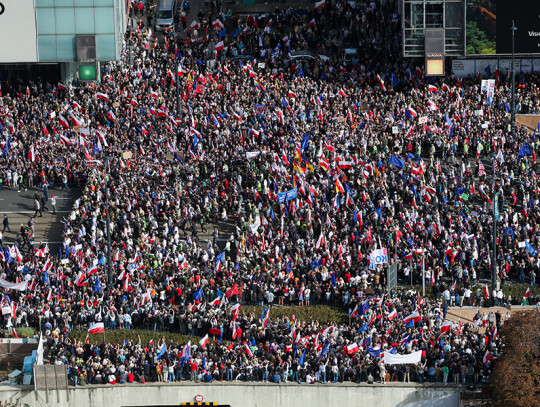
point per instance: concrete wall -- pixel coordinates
(247, 395)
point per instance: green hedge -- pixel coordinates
(322, 313)
(121, 335)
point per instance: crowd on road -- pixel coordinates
(311, 177)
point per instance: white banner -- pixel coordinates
(252, 154)
(18, 34)
(379, 256)
(14, 286)
(412, 358)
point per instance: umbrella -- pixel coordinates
(215, 331)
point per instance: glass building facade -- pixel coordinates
(59, 21)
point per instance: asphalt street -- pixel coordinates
(19, 208)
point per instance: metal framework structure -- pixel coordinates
(421, 14)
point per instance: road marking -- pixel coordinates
(22, 212)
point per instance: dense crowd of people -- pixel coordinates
(309, 176)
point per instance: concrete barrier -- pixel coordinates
(247, 395)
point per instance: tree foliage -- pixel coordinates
(515, 381)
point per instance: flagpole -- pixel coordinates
(424, 274)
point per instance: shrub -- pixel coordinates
(515, 381)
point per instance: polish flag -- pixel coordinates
(329, 147)
(235, 308)
(79, 279)
(392, 314)
(10, 126)
(215, 302)
(527, 293)
(194, 25)
(101, 136)
(353, 348)
(65, 140)
(248, 351)
(154, 94)
(446, 327)
(47, 266)
(63, 122)
(487, 357)
(486, 292)
(237, 117)
(320, 4)
(32, 155)
(344, 165)
(220, 46)
(311, 23)
(445, 87)
(111, 115)
(279, 113)
(61, 86)
(92, 270)
(320, 241)
(291, 94)
(218, 24)
(432, 88)
(204, 341)
(102, 96)
(354, 312)
(96, 328)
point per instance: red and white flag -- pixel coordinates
(96, 328)
(63, 122)
(320, 241)
(32, 155)
(204, 341)
(79, 279)
(353, 348)
(102, 96)
(320, 4)
(446, 326)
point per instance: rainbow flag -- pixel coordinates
(259, 85)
